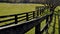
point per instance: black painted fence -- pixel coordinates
(33, 21)
(28, 15)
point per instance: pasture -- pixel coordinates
(8, 9)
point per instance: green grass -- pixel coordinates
(56, 26)
(8, 9)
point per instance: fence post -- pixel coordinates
(59, 20)
(37, 29)
(37, 13)
(51, 17)
(52, 11)
(33, 14)
(46, 23)
(16, 21)
(40, 11)
(27, 19)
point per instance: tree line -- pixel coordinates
(25, 1)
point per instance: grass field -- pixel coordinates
(8, 9)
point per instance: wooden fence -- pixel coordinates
(33, 21)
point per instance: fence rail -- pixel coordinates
(27, 15)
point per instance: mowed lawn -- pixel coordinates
(7, 8)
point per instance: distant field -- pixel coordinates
(7, 8)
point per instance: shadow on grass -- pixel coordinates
(53, 32)
(59, 24)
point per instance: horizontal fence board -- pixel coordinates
(30, 14)
(30, 18)
(7, 24)
(7, 20)
(21, 17)
(13, 15)
(45, 27)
